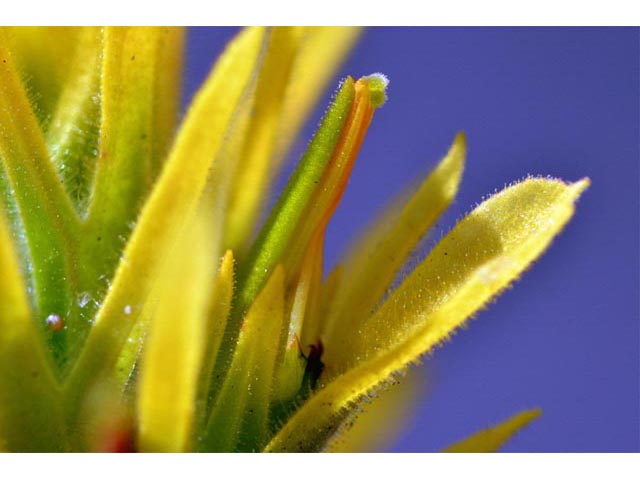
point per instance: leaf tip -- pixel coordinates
(458, 152)
(579, 187)
(460, 140)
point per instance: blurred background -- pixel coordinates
(542, 101)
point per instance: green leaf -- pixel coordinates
(277, 233)
(254, 162)
(493, 438)
(126, 167)
(72, 136)
(218, 315)
(304, 209)
(44, 56)
(30, 410)
(299, 63)
(50, 222)
(176, 195)
(321, 52)
(239, 418)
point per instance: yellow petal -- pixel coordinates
(492, 438)
(374, 260)
(477, 259)
(173, 351)
(238, 421)
(30, 413)
(485, 252)
(170, 206)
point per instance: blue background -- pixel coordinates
(559, 102)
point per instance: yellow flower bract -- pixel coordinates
(181, 330)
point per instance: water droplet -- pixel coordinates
(54, 322)
(83, 299)
(127, 310)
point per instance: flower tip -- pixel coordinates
(580, 186)
(461, 140)
(534, 413)
(378, 83)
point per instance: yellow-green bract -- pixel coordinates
(143, 303)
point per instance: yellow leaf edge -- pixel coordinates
(322, 415)
(491, 439)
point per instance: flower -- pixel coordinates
(138, 309)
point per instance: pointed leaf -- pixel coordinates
(486, 251)
(167, 94)
(305, 61)
(255, 163)
(219, 309)
(238, 421)
(44, 56)
(125, 166)
(310, 197)
(478, 258)
(491, 439)
(49, 220)
(30, 413)
(170, 206)
(374, 260)
(314, 189)
(303, 310)
(173, 351)
(277, 233)
(370, 93)
(72, 136)
(322, 50)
